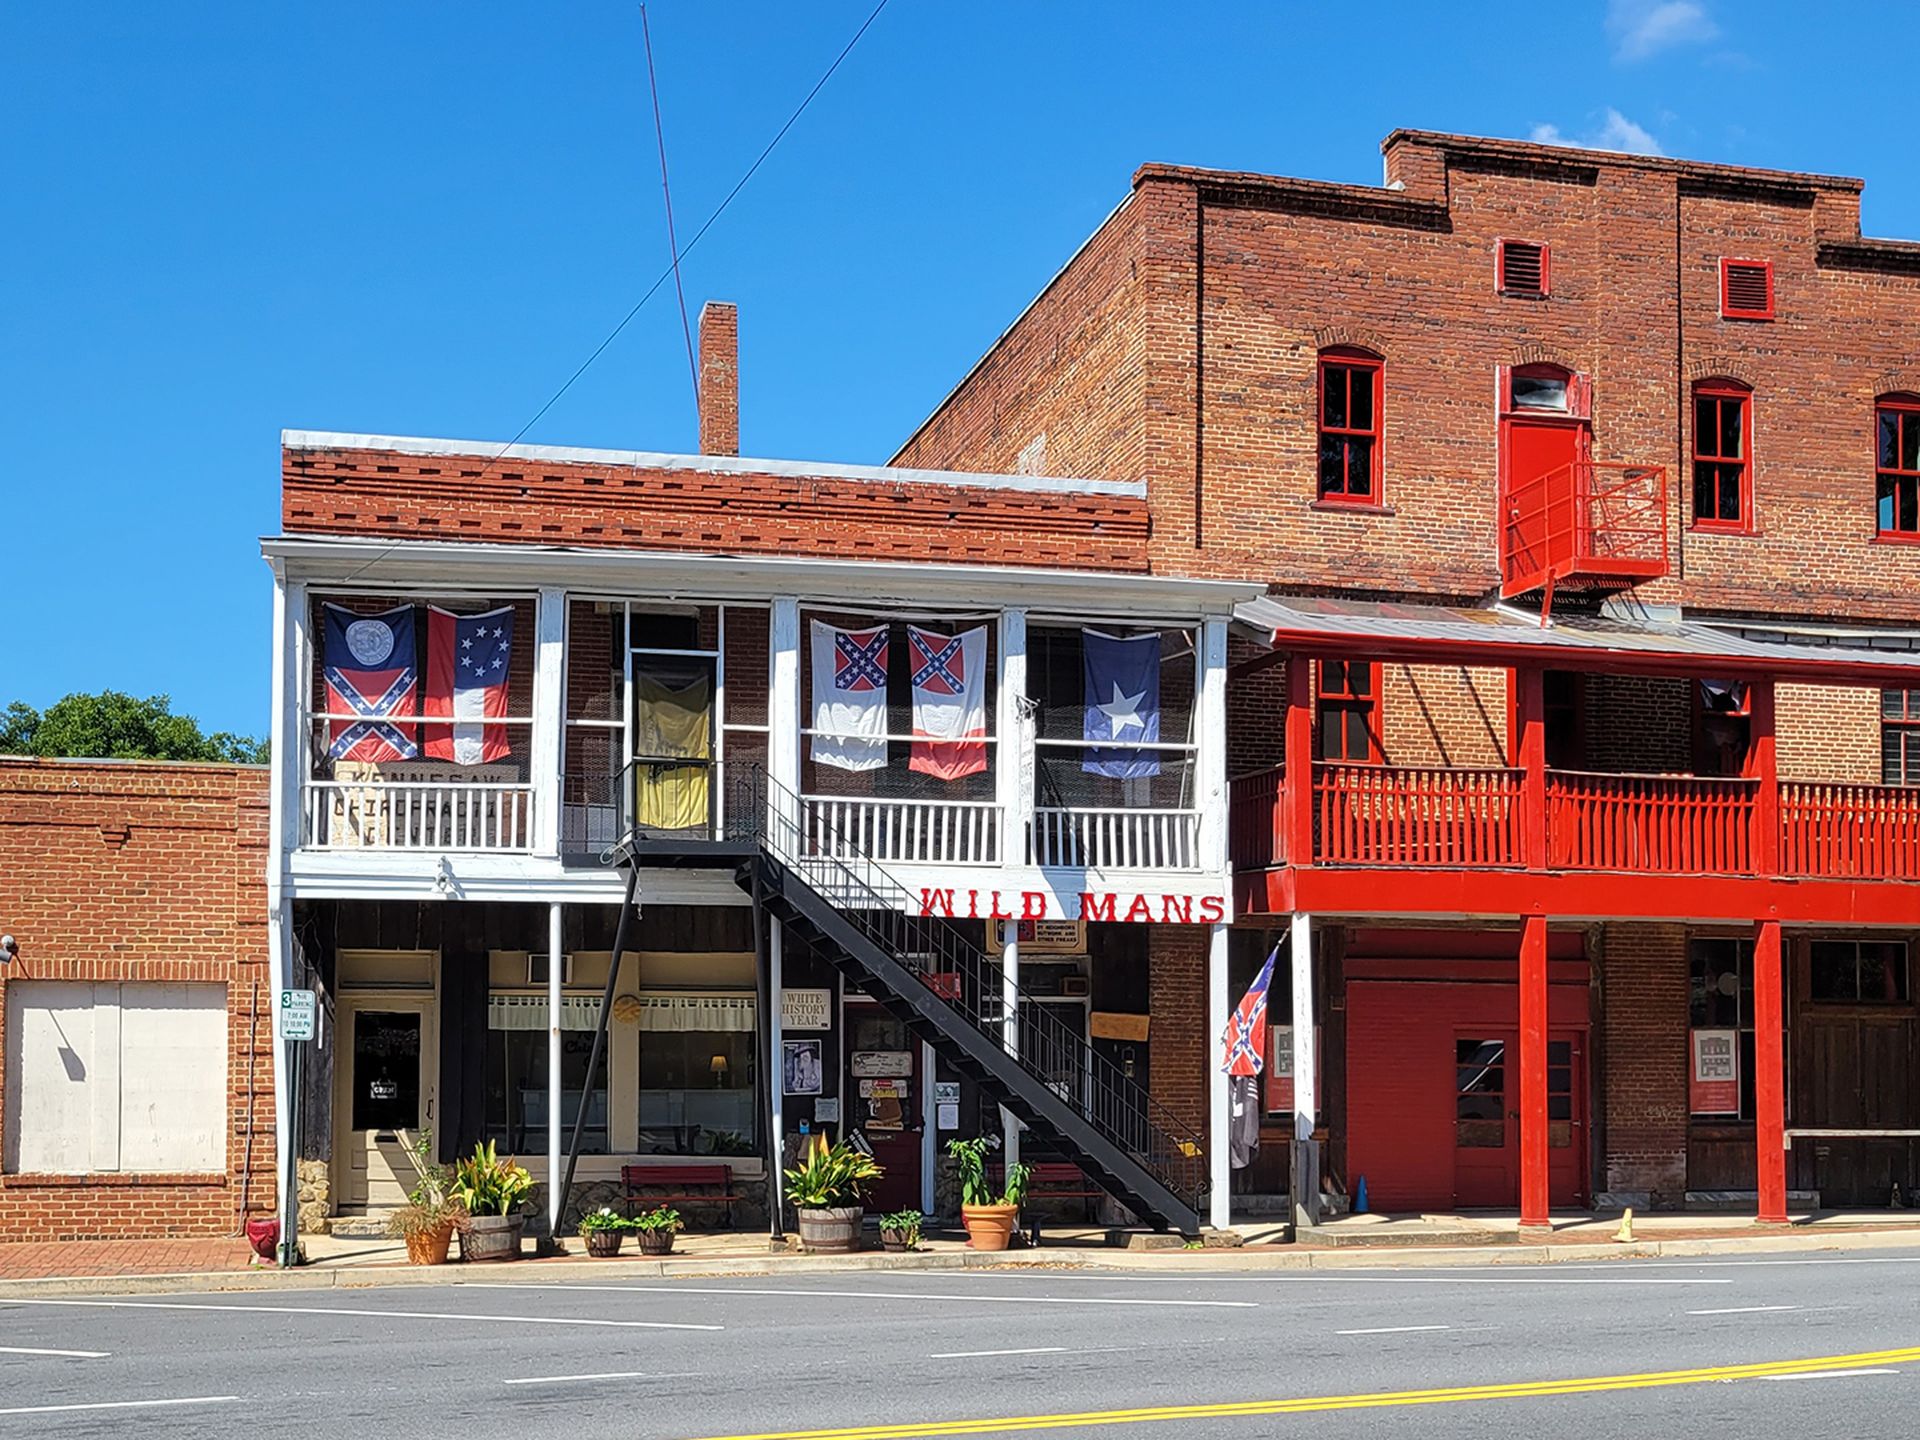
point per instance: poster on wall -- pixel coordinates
(1713, 1083)
(806, 1009)
(1280, 1068)
(884, 1104)
(800, 1068)
(874, 1063)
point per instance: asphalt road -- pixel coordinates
(1632, 1347)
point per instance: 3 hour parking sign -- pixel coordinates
(293, 1017)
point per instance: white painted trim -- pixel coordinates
(549, 710)
(556, 974)
(776, 1082)
(1211, 761)
(1306, 1105)
(929, 1128)
(1219, 1098)
(371, 564)
(1010, 761)
(493, 452)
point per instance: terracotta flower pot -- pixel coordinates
(989, 1227)
(830, 1232)
(429, 1247)
(655, 1242)
(604, 1244)
(493, 1237)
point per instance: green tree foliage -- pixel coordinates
(113, 726)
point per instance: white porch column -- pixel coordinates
(549, 711)
(283, 805)
(1010, 1023)
(1306, 1155)
(554, 1091)
(1210, 764)
(1013, 765)
(1219, 1115)
(929, 1128)
(784, 719)
(776, 1073)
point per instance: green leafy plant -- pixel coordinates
(489, 1184)
(905, 1224)
(431, 1204)
(661, 1217)
(829, 1177)
(605, 1218)
(970, 1158)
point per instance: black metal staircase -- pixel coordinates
(951, 995)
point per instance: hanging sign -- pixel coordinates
(806, 1009)
(882, 1063)
(1042, 937)
(1714, 1080)
(1116, 906)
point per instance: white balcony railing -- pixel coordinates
(1116, 839)
(417, 815)
(931, 832)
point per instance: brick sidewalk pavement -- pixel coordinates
(32, 1259)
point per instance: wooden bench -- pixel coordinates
(639, 1182)
(1055, 1180)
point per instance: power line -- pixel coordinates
(673, 245)
(653, 289)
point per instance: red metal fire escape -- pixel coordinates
(1591, 524)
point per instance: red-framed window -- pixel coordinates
(1347, 711)
(1350, 386)
(1896, 470)
(1522, 267)
(1746, 289)
(1900, 737)
(1722, 456)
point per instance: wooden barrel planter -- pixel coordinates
(831, 1232)
(605, 1244)
(493, 1237)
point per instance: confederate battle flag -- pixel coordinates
(467, 662)
(372, 683)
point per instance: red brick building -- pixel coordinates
(1671, 404)
(136, 1069)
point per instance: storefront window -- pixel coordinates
(516, 1116)
(697, 1075)
(1860, 972)
(1720, 997)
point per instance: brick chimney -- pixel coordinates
(719, 378)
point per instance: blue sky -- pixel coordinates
(225, 219)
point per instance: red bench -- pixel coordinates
(641, 1182)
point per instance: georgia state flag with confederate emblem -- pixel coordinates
(372, 682)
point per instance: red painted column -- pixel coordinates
(1762, 766)
(1533, 1070)
(1529, 743)
(1297, 801)
(1769, 1077)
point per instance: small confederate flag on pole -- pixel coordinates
(468, 657)
(1245, 1039)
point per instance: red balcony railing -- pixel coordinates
(1396, 815)
(1845, 831)
(1657, 824)
(1256, 833)
(1590, 522)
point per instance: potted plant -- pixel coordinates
(990, 1219)
(432, 1214)
(604, 1229)
(656, 1229)
(900, 1231)
(825, 1190)
(492, 1188)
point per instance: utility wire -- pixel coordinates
(653, 289)
(673, 245)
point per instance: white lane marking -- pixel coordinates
(1393, 1330)
(982, 1354)
(72, 1354)
(376, 1314)
(601, 1375)
(1745, 1310)
(873, 1295)
(119, 1405)
(1490, 1280)
(1829, 1374)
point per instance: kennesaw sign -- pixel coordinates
(1116, 905)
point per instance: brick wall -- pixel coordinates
(1644, 975)
(719, 506)
(1177, 1040)
(1443, 715)
(133, 871)
(1828, 733)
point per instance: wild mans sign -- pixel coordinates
(1127, 907)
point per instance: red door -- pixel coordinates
(1537, 456)
(1486, 1135)
(883, 1083)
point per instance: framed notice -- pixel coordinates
(1280, 1068)
(806, 1009)
(1042, 937)
(871, 1064)
(800, 1068)
(1713, 1079)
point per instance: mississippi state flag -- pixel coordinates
(849, 697)
(372, 683)
(949, 702)
(468, 657)
(1245, 1039)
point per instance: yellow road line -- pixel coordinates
(1519, 1390)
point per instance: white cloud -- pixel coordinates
(1643, 28)
(1616, 132)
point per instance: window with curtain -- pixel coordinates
(697, 1068)
(517, 1099)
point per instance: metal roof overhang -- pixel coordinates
(1680, 649)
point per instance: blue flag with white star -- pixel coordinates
(1122, 675)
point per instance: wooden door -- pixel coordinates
(884, 1085)
(384, 1097)
(1487, 1119)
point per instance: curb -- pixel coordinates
(1189, 1262)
